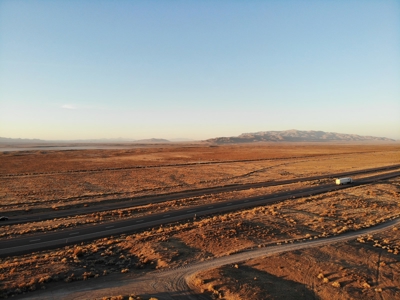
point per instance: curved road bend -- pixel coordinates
(41, 241)
(144, 200)
(175, 283)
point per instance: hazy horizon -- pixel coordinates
(73, 70)
(181, 139)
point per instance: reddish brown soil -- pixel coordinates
(44, 179)
(351, 270)
(181, 243)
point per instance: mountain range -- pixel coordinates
(297, 136)
(261, 136)
(4, 140)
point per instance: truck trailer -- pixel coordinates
(345, 180)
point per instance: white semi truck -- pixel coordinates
(345, 180)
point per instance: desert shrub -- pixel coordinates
(366, 285)
(198, 282)
(78, 251)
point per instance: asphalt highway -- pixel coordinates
(19, 217)
(50, 240)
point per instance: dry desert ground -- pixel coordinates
(45, 181)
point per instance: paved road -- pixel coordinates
(121, 203)
(176, 283)
(56, 239)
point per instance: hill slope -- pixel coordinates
(296, 136)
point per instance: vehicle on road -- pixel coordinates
(345, 180)
(3, 218)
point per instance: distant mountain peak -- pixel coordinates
(294, 135)
(19, 140)
(101, 140)
(153, 141)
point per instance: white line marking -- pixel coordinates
(139, 221)
(109, 226)
(193, 210)
(210, 207)
(35, 240)
(229, 203)
(74, 233)
(246, 201)
(165, 216)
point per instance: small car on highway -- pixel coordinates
(3, 218)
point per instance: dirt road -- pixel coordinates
(177, 283)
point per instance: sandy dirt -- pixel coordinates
(37, 181)
(193, 280)
(366, 268)
(34, 179)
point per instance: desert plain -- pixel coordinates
(49, 181)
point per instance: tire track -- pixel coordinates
(105, 198)
(175, 165)
(377, 274)
(179, 282)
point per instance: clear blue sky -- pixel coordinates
(198, 69)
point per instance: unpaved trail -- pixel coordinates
(177, 283)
